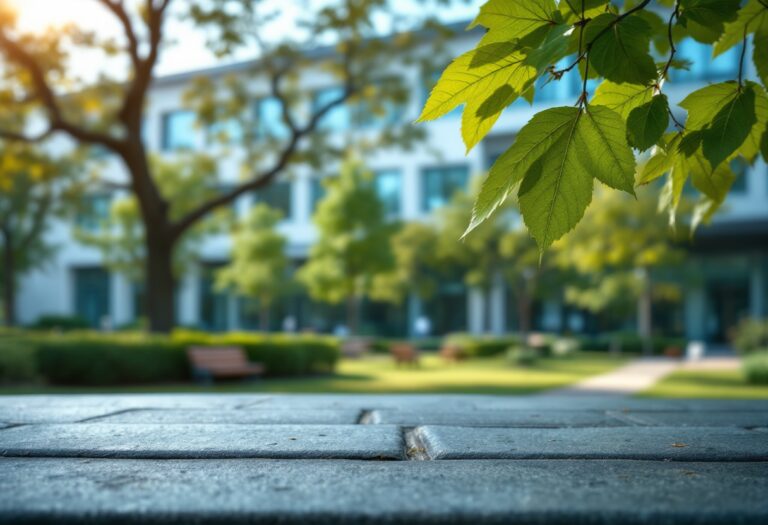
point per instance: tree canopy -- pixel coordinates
(622, 109)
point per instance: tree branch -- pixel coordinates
(21, 137)
(118, 9)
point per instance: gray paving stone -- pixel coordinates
(62, 414)
(647, 443)
(498, 418)
(331, 492)
(203, 441)
(281, 416)
(745, 419)
(127, 401)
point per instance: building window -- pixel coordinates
(388, 183)
(702, 66)
(269, 119)
(213, 303)
(439, 184)
(277, 195)
(178, 130)
(92, 295)
(338, 118)
(94, 211)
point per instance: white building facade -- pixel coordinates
(726, 280)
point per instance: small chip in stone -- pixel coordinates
(679, 445)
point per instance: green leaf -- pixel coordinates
(621, 53)
(703, 212)
(592, 8)
(507, 20)
(730, 127)
(714, 183)
(621, 98)
(482, 111)
(661, 161)
(705, 19)
(760, 54)
(647, 123)
(764, 145)
(477, 75)
(703, 104)
(751, 147)
(557, 188)
(534, 139)
(751, 17)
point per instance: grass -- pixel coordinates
(378, 374)
(721, 384)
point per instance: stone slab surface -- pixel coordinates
(61, 414)
(203, 441)
(497, 418)
(646, 443)
(244, 416)
(744, 419)
(324, 492)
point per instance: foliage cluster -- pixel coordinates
(751, 336)
(552, 165)
(756, 367)
(88, 358)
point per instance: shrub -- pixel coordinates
(62, 323)
(480, 346)
(751, 335)
(520, 355)
(755, 367)
(629, 343)
(18, 363)
(565, 346)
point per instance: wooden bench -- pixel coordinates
(452, 353)
(404, 353)
(228, 362)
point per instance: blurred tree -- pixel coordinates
(615, 250)
(34, 188)
(108, 112)
(416, 265)
(353, 244)
(184, 182)
(259, 264)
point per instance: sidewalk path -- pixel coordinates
(635, 377)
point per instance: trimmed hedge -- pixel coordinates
(629, 343)
(18, 362)
(62, 323)
(755, 367)
(89, 358)
(481, 346)
(751, 336)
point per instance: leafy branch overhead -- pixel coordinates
(623, 58)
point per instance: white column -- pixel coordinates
(498, 305)
(121, 300)
(301, 199)
(475, 310)
(189, 298)
(410, 192)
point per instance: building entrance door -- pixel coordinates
(729, 304)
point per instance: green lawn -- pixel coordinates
(727, 384)
(377, 374)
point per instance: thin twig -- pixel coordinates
(743, 52)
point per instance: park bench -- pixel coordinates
(404, 353)
(209, 363)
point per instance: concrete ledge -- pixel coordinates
(329, 492)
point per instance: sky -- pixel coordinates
(189, 50)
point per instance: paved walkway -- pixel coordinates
(225, 459)
(632, 378)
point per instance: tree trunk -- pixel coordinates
(9, 280)
(644, 313)
(160, 285)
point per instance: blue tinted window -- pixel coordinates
(228, 132)
(387, 184)
(439, 185)
(178, 130)
(336, 119)
(269, 120)
(94, 211)
(702, 66)
(277, 195)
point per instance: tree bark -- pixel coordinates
(9, 280)
(524, 313)
(160, 285)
